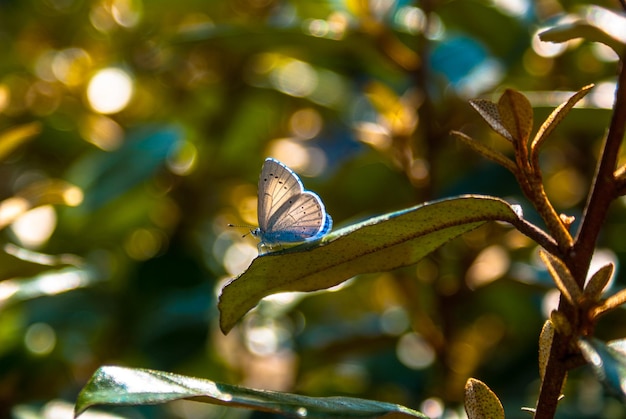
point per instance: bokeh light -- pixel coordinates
(432, 407)
(103, 132)
(145, 243)
(109, 90)
(304, 159)
(40, 339)
(306, 123)
(490, 264)
(238, 257)
(547, 49)
(411, 19)
(33, 228)
(414, 351)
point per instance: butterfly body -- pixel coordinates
(288, 213)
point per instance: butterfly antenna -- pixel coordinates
(249, 227)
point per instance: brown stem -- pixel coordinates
(532, 187)
(604, 191)
(604, 187)
(537, 235)
(554, 377)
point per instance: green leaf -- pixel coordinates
(489, 111)
(592, 24)
(379, 244)
(481, 402)
(486, 151)
(556, 117)
(562, 278)
(545, 344)
(113, 385)
(516, 114)
(608, 362)
(104, 176)
(594, 288)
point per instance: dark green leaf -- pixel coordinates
(107, 175)
(111, 385)
(380, 244)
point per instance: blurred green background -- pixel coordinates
(132, 132)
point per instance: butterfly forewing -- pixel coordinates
(277, 185)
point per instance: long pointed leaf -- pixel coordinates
(380, 244)
(111, 385)
(556, 117)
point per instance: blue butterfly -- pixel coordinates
(287, 212)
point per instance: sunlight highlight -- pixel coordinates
(490, 264)
(33, 228)
(110, 90)
(295, 78)
(238, 257)
(303, 159)
(126, 13)
(411, 20)
(610, 22)
(11, 209)
(70, 66)
(547, 49)
(103, 132)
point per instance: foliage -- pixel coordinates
(132, 133)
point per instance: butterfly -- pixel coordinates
(287, 212)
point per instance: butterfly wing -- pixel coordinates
(300, 218)
(288, 213)
(277, 185)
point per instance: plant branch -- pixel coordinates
(537, 235)
(605, 189)
(553, 380)
(605, 186)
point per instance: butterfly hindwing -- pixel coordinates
(303, 216)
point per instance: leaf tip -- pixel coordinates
(481, 402)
